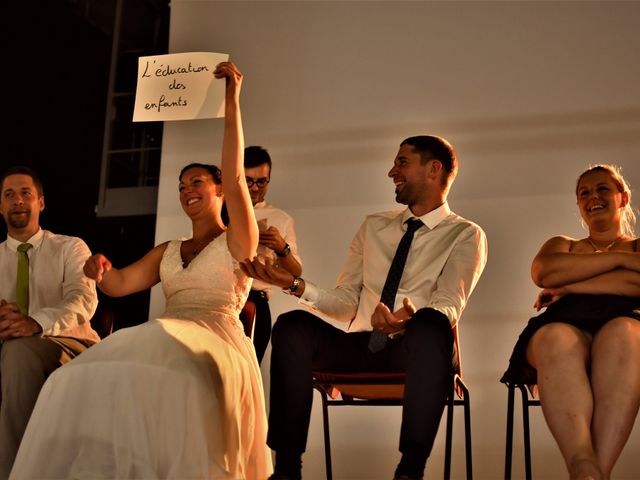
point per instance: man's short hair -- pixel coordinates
(23, 170)
(431, 147)
(255, 156)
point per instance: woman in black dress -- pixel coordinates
(585, 348)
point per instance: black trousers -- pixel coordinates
(262, 327)
(302, 342)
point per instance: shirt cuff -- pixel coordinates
(44, 322)
(310, 295)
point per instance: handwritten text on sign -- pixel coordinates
(179, 86)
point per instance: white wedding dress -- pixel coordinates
(179, 397)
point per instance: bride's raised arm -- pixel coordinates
(242, 234)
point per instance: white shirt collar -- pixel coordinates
(35, 240)
(430, 219)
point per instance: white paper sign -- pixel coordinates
(179, 86)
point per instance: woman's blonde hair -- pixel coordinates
(627, 216)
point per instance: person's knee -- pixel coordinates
(16, 354)
(619, 332)
(557, 336)
(429, 339)
(556, 342)
(283, 324)
(429, 325)
(291, 327)
(18, 360)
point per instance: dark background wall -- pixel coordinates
(57, 57)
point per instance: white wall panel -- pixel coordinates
(528, 92)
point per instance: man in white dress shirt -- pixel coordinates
(49, 324)
(277, 240)
(445, 260)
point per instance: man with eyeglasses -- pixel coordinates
(277, 240)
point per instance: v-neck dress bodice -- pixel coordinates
(212, 284)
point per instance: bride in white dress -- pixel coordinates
(180, 396)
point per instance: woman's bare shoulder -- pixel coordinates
(559, 243)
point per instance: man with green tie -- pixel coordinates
(46, 304)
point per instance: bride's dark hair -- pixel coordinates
(215, 172)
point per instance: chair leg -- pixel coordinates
(466, 403)
(448, 440)
(509, 444)
(327, 438)
(467, 433)
(527, 438)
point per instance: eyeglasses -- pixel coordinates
(260, 182)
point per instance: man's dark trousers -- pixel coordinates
(262, 325)
(302, 342)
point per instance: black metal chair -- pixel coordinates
(527, 401)
(387, 389)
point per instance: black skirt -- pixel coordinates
(586, 312)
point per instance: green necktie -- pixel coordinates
(22, 283)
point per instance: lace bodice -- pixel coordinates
(211, 284)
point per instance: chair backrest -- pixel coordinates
(456, 345)
(102, 321)
(248, 318)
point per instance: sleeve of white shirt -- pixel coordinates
(79, 298)
(460, 274)
(341, 302)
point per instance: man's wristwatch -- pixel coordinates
(291, 290)
(285, 251)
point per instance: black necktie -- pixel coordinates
(378, 338)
